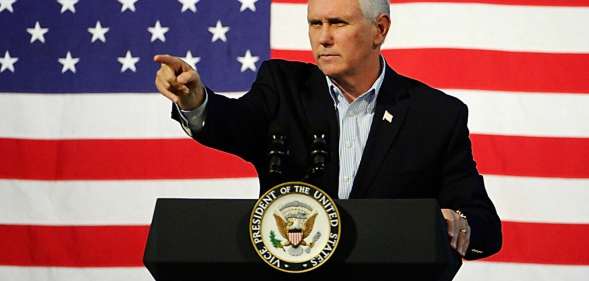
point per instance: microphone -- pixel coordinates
(319, 154)
(277, 153)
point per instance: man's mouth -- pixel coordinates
(327, 57)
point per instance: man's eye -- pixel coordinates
(338, 23)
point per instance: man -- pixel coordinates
(387, 136)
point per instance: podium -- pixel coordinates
(381, 239)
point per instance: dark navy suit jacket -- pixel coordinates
(423, 152)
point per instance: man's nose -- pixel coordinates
(325, 35)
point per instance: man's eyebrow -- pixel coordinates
(336, 20)
(329, 20)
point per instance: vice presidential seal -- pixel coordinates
(295, 227)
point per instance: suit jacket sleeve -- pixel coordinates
(463, 189)
(237, 125)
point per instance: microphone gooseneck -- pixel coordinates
(319, 155)
(277, 153)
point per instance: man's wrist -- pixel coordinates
(194, 119)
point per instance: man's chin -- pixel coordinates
(329, 70)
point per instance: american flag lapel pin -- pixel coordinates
(387, 116)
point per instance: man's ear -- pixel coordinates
(382, 25)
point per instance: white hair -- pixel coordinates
(374, 8)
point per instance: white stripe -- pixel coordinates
(487, 271)
(23, 273)
(92, 116)
(144, 116)
(526, 114)
(451, 25)
(132, 202)
(87, 116)
(106, 202)
(543, 200)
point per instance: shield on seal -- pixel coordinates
(295, 237)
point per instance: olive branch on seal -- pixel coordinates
(277, 243)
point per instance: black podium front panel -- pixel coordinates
(382, 239)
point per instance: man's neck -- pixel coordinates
(354, 86)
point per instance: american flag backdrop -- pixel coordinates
(86, 144)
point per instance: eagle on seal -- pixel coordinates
(295, 229)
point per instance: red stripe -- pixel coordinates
(484, 69)
(101, 246)
(75, 246)
(116, 159)
(569, 3)
(544, 243)
(186, 159)
(531, 156)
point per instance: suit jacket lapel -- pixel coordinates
(322, 118)
(394, 100)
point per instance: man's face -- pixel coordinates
(342, 39)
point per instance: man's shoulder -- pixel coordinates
(281, 63)
(428, 96)
(279, 67)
